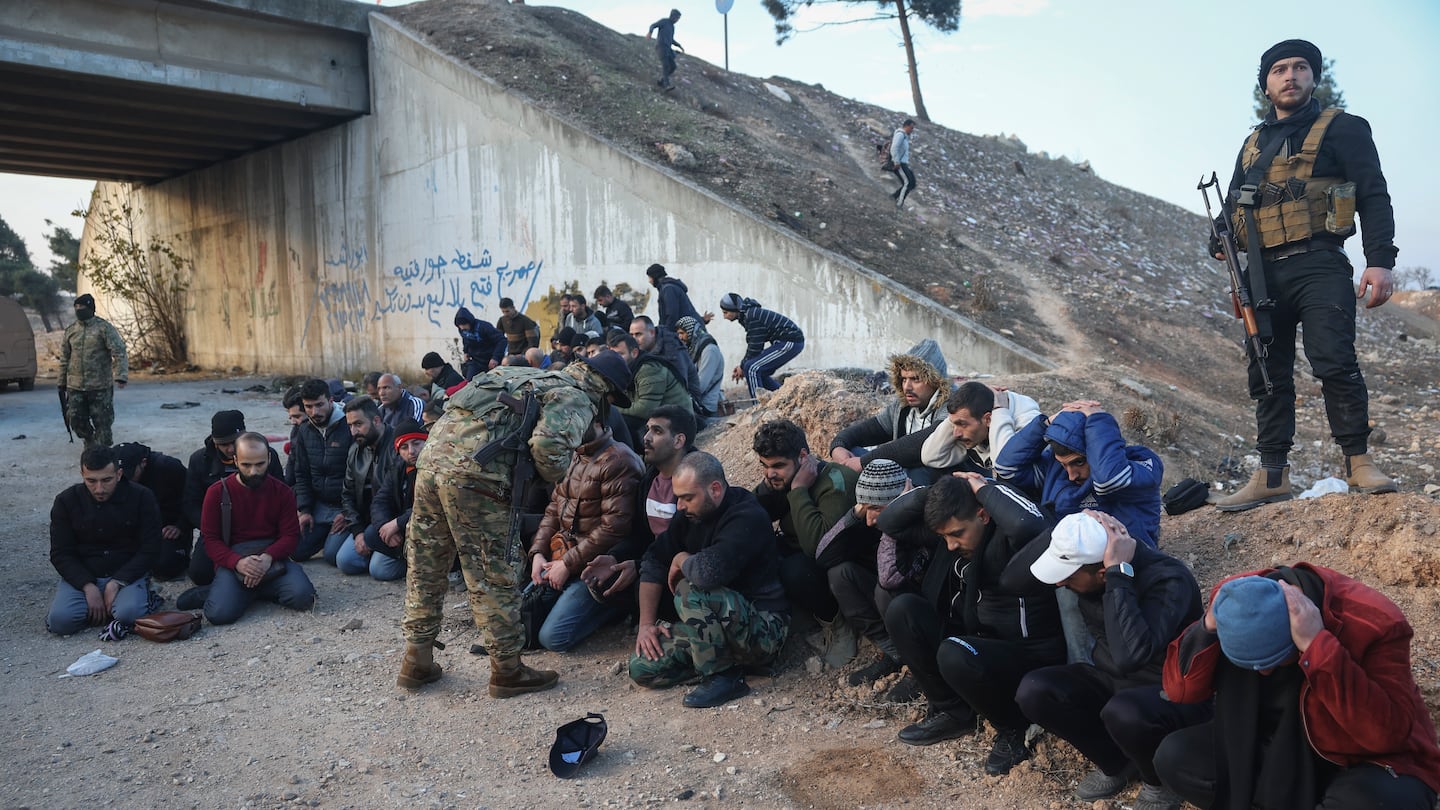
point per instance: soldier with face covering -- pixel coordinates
(92, 363)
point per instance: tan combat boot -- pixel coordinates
(418, 667)
(1364, 477)
(510, 677)
(1267, 485)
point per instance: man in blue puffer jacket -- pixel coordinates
(1078, 460)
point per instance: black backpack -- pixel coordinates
(1185, 496)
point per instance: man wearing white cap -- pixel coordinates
(1133, 600)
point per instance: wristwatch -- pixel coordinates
(1124, 568)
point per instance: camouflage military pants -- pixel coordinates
(91, 415)
(718, 629)
(450, 518)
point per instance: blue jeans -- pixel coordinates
(68, 613)
(377, 565)
(318, 537)
(759, 373)
(229, 598)
(575, 616)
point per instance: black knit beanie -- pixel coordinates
(1287, 49)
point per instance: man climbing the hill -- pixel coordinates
(665, 45)
(900, 154)
(1299, 181)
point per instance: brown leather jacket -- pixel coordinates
(592, 506)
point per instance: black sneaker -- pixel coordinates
(193, 599)
(1008, 751)
(938, 727)
(717, 690)
(1099, 785)
(883, 666)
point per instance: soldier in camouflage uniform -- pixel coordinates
(463, 507)
(721, 564)
(92, 355)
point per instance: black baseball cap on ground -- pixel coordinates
(226, 426)
(576, 743)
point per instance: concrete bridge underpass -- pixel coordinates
(143, 90)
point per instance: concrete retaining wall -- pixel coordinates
(350, 249)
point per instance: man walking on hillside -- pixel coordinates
(900, 154)
(92, 363)
(665, 45)
(1299, 181)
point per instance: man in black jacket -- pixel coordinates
(1135, 600)
(164, 476)
(721, 565)
(104, 537)
(322, 446)
(394, 501)
(213, 461)
(612, 312)
(367, 466)
(1324, 170)
(967, 637)
(443, 376)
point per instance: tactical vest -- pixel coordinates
(1294, 205)
(475, 415)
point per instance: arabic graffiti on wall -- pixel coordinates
(432, 285)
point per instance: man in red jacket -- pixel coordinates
(252, 553)
(1315, 701)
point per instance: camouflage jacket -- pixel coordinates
(88, 351)
(473, 417)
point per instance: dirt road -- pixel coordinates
(285, 709)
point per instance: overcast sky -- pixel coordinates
(1154, 93)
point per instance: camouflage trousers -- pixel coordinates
(451, 518)
(91, 414)
(718, 629)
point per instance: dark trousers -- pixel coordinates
(806, 587)
(202, 568)
(229, 598)
(854, 588)
(1313, 290)
(667, 64)
(907, 182)
(1068, 700)
(1186, 764)
(174, 558)
(985, 673)
(916, 631)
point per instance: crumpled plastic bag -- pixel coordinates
(89, 664)
(1326, 486)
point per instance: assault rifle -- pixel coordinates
(523, 473)
(1240, 299)
(64, 406)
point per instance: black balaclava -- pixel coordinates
(85, 307)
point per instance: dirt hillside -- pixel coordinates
(1110, 284)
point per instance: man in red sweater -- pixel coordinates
(1315, 699)
(252, 553)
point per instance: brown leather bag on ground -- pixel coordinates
(168, 625)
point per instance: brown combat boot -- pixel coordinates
(1364, 477)
(418, 667)
(510, 677)
(1267, 485)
